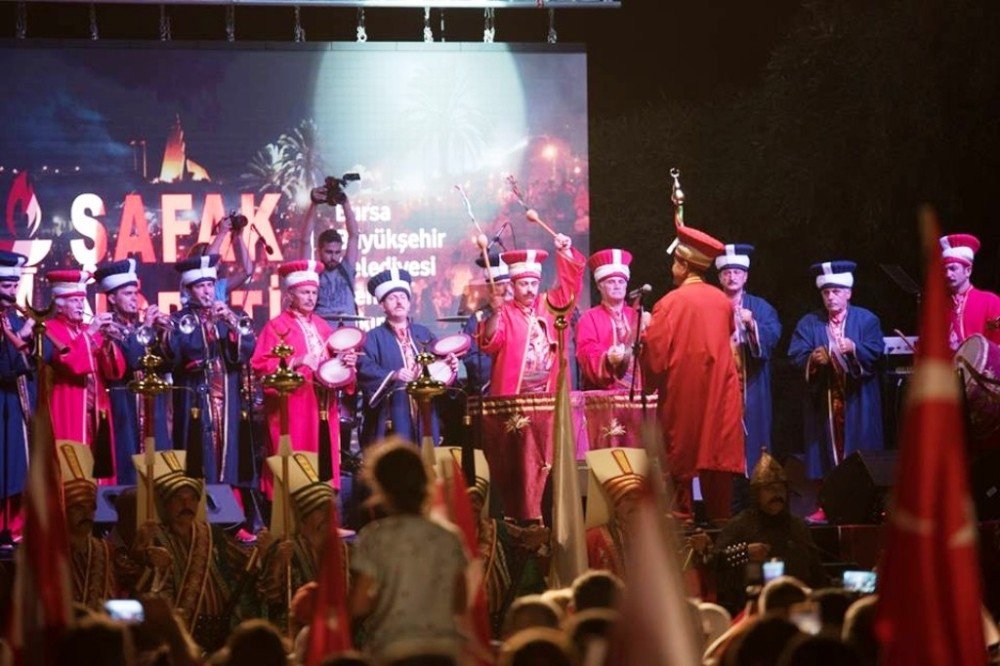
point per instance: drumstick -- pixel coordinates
(906, 342)
(483, 244)
(533, 217)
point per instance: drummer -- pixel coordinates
(973, 311)
(478, 365)
(606, 332)
(520, 335)
(307, 334)
(389, 361)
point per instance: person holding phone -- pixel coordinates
(764, 531)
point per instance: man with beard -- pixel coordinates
(119, 281)
(307, 334)
(196, 565)
(765, 530)
(756, 335)
(838, 349)
(520, 335)
(82, 357)
(17, 390)
(90, 558)
(973, 311)
(207, 362)
(606, 332)
(336, 282)
(479, 365)
(688, 360)
(389, 362)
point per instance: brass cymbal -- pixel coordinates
(344, 317)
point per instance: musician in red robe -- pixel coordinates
(520, 335)
(606, 332)
(307, 333)
(688, 359)
(82, 357)
(973, 311)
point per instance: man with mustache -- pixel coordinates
(17, 391)
(765, 530)
(607, 331)
(973, 311)
(520, 335)
(756, 334)
(307, 334)
(91, 563)
(389, 361)
(838, 349)
(82, 357)
(119, 280)
(196, 565)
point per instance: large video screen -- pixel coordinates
(115, 150)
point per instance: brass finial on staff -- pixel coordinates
(677, 197)
(149, 385)
(39, 317)
(424, 389)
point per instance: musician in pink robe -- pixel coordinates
(972, 310)
(606, 332)
(82, 357)
(520, 335)
(307, 333)
(688, 358)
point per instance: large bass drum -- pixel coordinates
(979, 361)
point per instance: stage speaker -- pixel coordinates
(221, 505)
(855, 491)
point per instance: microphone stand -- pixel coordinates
(636, 347)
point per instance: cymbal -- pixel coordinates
(457, 319)
(344, 317)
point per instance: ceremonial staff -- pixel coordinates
(284, 380)
(149, 385)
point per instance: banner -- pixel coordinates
(115, 150)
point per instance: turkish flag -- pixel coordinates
(929, 593)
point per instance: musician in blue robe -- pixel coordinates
(207, 361)
(17, 390)
(756, 335)
(389, 362)
(838, 349)
(479, 365)
(119, 280)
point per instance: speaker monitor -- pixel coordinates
(221, 505)
(855, 491)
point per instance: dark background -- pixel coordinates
(812, 130)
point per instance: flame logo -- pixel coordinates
(22, 197)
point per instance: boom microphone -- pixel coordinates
(638, 292)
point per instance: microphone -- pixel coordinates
(638, 292)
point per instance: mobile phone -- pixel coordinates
(806, 617)
(773, 569)
(860, 581)
(128, 611)
(753, 574)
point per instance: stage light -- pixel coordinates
(550, 151)
(45, 167)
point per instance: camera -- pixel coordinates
(332, 192)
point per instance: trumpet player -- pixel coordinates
(307, 333)
(17, 393)
(119, 280)
(82, 357)
(208, 345)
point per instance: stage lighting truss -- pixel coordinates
(399, 4)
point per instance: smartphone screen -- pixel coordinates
(773, 569)
(860, 581)
(128, 611)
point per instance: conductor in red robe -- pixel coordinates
(520, 335)
(973, 311)
(688, 359)
(606, 332)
